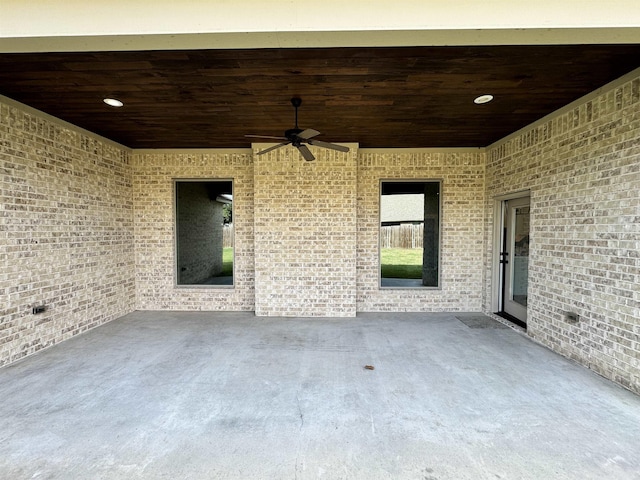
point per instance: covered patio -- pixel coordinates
(231, 395)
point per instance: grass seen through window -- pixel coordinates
(401, 262)
(227, 262)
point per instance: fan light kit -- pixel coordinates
(113, 102)
(483, 99)
(298, 137)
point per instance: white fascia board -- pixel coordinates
(166, 24)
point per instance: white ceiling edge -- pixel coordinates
(51, 18)
(100, 25)
(383, 38)
(355, 147)
(204, 151)
(261, 145)
(407, 151)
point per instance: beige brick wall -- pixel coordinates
(153, 186)
(316, 231)
(461, 235)
(583, 170)
(66, 231)
(305, 227)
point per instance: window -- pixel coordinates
(409, 233)
(204, 232)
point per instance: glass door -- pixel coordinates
(515, 258)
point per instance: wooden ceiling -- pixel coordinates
(378, 97)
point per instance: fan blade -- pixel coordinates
(332, 146)
(308, 133)
(266, 150)
(306, 153)
(266, 136)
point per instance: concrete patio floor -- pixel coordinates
(174, 395)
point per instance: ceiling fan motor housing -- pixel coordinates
(292, 135)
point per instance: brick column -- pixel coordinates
(305, 233)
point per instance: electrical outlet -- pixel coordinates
(571, 316)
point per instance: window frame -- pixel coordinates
(440, 183)
(175, 182)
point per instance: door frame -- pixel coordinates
(498, 228)
(511, 307)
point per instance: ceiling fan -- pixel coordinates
(298, 138)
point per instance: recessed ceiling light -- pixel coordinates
(483, 99)
(113, 102)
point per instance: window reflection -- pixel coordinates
(204, 232)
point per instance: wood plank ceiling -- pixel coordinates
(378, 97)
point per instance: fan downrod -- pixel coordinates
(293, 132)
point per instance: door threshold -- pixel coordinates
(512, 319)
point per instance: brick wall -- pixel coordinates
(66, 231)
(154, 172)
(462, 195)
(305, 227)
(583, 170)
(308, 230)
